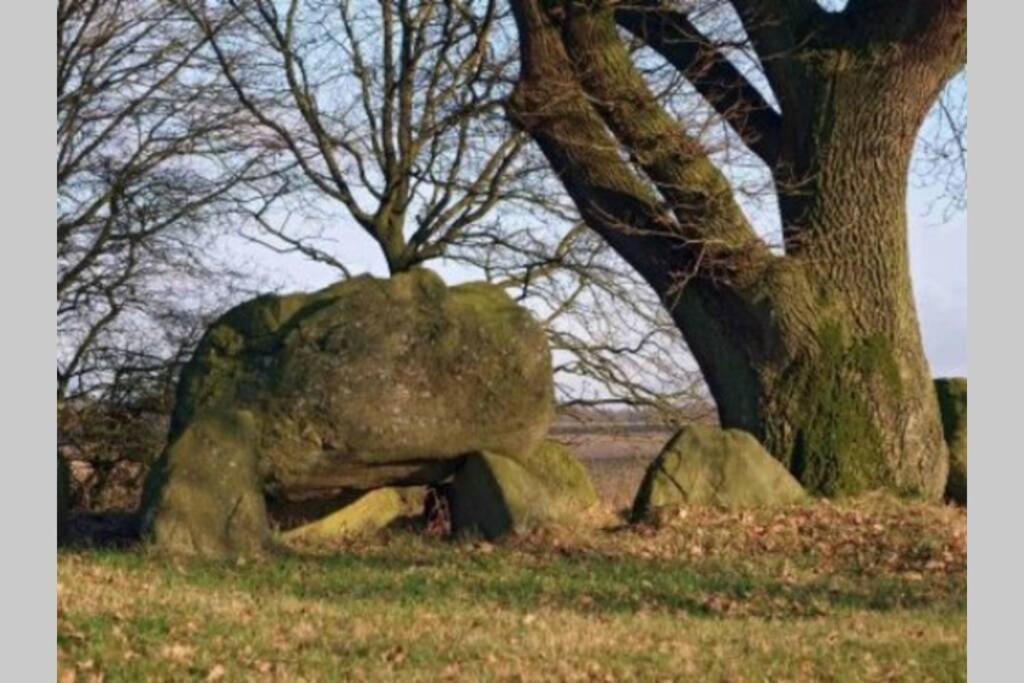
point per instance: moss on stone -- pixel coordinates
(562, 474)
(468, 358)
(952, 396)
(495, 495)
(371, 512)
(705, 465)
(441, 377)
(839, 448)
(205, 494)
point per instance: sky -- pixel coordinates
(938, 262)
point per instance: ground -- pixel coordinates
(867, 589)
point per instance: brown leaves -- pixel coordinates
(84, 671)
(216, 673)
(395, 655)
(822, 584)
(875, 536)
(178, 653)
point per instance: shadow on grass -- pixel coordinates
(113, 530)
(600, 585)
(447, 575)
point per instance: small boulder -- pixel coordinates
(371, 512)
(952, 393)
(704, 465)
(494, 495)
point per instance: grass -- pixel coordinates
(872, 589)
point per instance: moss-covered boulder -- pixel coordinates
(494, 494)
(704, 465)
(63, 498)
(952, 394)
(204, 495)
(367, 383)
(371, 512)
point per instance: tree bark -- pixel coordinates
(817, 352)
(868, 415)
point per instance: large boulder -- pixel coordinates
(493, 494)
(367, 383)
(952, 393)
(704, 465)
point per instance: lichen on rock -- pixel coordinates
(494, 494)
(371, 512)
(205, 496)
(705, 465)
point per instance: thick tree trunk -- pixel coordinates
(847, 226)
(856, 411)
(842, 395)
(847, 401)
(818, 352)
(842, 392)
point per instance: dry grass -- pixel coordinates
(871, 589)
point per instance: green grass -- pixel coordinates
(869, 590)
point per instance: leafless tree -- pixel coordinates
(154, 162)
(811, 343)
(393, 113)
(150, 159)
(390, 110)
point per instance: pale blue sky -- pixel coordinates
(938, 261)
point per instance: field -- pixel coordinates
(867, 589)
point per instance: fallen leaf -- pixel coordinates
(177, 652)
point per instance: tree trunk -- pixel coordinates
(840, 392)
(817, 352)
(838, 387)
